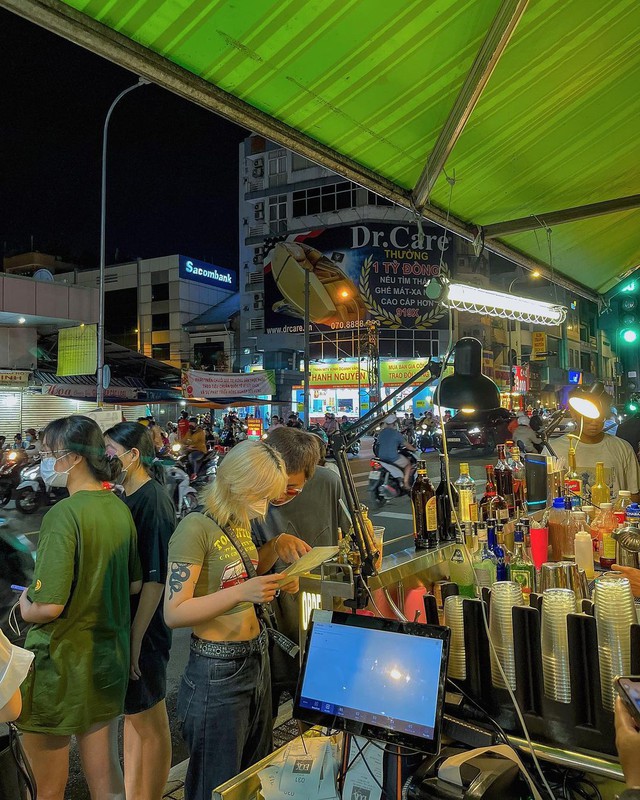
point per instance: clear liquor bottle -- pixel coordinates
(466, 487)
(504, 479)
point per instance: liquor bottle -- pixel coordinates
(466, 487)
(492, 505)
(600, 491)
(572, 481)
(423, 502)
(484, 561)
(501, 536)
(461, 569)
(504, 479)
(519, 479)
(622, 501)
(446, 521)
(502, 571)
(605, 523)
(522, 569)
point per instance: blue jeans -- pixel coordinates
(224, 707)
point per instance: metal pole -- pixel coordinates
(103, 218)
(307, 366)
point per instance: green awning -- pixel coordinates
(532, 106)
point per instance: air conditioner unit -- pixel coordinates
(258, 168)
(257, 297)
(258, 305)
(258, 259)
(258, 210)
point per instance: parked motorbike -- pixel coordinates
(386, 481)
(32, 492)
(13, 463)
(179, 488)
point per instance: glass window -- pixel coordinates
(278, 213)
(161, 352)
(300, 162)
(160, 322)
(160, 292)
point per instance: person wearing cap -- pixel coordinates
(525, 437)
(390, 440)
(14, 666)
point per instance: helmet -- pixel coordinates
(316, 430)
(391, 419)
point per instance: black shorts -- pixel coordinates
(151, 686)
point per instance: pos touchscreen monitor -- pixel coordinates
(374, 677)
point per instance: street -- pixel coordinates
(396, 517)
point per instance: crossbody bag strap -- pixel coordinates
(263, 610)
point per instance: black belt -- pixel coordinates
(229, 649)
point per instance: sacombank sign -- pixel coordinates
(191, 269)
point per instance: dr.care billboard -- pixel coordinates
(372, 271)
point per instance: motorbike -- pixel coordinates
(17, 559)
(386, 481)
(32, 492)
(12, 464)
(178, 486)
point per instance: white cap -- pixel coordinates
(14, 666)
(391, 419)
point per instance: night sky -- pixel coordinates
(172, 179)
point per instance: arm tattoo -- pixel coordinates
(179, 574)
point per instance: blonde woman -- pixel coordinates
(224, 700)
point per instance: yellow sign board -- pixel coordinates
(77, 350)
(538, 345)
(393, 372)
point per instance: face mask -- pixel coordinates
(258, 509)
(28, 439)
(50, 476)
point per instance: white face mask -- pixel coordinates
(49, 475)
(258, 509)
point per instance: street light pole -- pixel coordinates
(103, 218)
(307, 366)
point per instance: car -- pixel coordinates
(480, 430)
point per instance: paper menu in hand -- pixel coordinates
(309, 561)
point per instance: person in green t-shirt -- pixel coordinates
(87, 567)
(224, 700)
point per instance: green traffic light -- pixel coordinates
(630, 335)
(632, 408)
(630, 287)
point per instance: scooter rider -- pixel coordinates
(390, 440)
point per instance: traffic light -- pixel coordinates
(629, 317)
(633, 404)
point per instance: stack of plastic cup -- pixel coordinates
(453, 619)
(614, 612)
(556, 604)
(504, 596)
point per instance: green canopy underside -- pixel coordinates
(375, 80)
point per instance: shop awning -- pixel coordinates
(513, 120)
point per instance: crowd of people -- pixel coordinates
(114, 576)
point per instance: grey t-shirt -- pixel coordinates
(313, 516)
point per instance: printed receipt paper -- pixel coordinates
(308, 562)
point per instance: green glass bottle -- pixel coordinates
(484, 561)
(522, 570)
(461, 569)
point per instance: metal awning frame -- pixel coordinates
(80, 29)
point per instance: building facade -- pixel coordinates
(149, 302)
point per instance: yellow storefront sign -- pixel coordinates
(392, 373)
(538, 345)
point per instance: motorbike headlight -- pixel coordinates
(176, 448)
(12, 456)
(473, 431)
